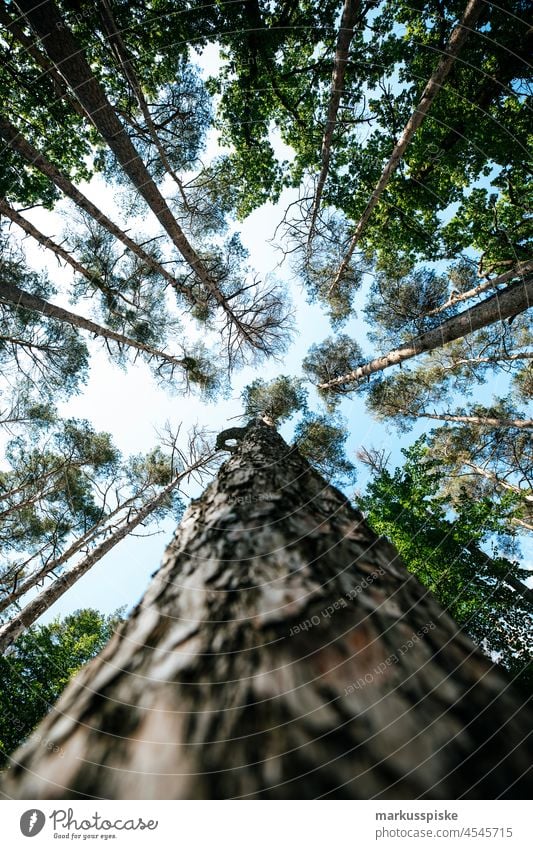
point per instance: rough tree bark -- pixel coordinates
(281, 651)
(517, 298)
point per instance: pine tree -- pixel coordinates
(348, 680)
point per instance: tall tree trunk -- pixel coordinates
(39, 605)
(25, 225)
(20, 145)
(68, 56)
(344, 39)
(520, 270)
(41, 60)
(281, 651)
(511, 301)
(484, 421)
(432, 88)
(19, 298)
(126, 63)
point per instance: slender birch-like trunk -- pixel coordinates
(63, 49)
(124, 58)
(20, 145)
(432, 88)
(30, 230)
(517, 298)
(497, 481)
(18, 297)
(484, 421)
(281, 651)
(344, 39)
(39, 605)
(50, 566)
(520, 270)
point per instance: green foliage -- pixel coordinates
(446, 551)
(279, 399)
(328, 359)
(321, 440)
(278, 75)
(462, 194)
(493, 463)
(181, 116)
(34, 105)
(40, 665)
(49, 490)
(38, 351)
(398, 304)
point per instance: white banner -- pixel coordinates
(273, 825)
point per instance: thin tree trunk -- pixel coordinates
(512, 301)
(18, 297)
(497, 358)
(485, 421)
(67, 55)
(37, 496)
(520, 588)
(432, 88)
(344, 39)
(32, 482)
(490, 476)
(115, 37)
(495, 84)
(14, 216)
(519, 271)
(39, 605)
(48, 568)
(495, 572)
(25, 225)
(21, 146)
(281, 651)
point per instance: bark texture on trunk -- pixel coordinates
(281, 651)
(517, 298)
